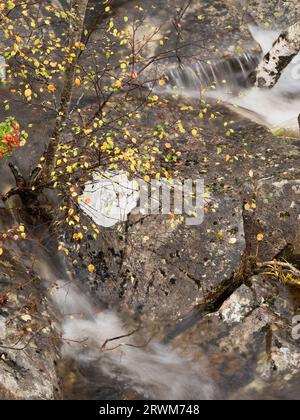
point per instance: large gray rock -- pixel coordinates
(173, 269)
(282, 13)
(167, 271)
(252, 350)
(278, 209)
(209, 29)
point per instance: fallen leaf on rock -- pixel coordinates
(26, 318)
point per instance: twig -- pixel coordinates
(127, 344)
(109, 340)
(280, 264)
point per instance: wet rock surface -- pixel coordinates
(201, 283)
(28, 349)
(206, 33)
(170, 271)
(215, 24)
(279, 13)
(151, 264)
(249, 342)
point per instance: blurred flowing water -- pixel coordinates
(278, 107)
(192, 78)
(227, 81)
(134, 366)
(126, 354)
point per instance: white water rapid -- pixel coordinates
(151, 369)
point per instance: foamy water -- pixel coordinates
(137, 361)
(279, 106)
(150, 368)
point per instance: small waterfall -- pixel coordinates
(99, 338)
(227, 82)
(192, 78)
(279, 107)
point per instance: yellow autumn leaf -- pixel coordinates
(28, 93)
(91, 268)
(117, 84)
(220, 235)
(51, 88)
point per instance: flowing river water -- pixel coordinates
(138, 365)
(277, 108)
